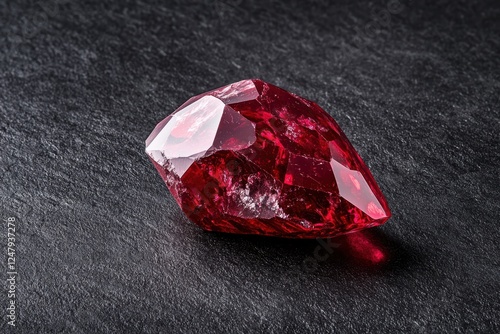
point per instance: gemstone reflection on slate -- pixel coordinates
(252, 158)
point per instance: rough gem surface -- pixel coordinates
(252, 158)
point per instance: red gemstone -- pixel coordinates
(252, 158)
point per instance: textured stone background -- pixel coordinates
(102, 247)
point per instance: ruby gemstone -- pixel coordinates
(252, 158)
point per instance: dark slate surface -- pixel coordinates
(102, 246)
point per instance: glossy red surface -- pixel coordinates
(252, 158)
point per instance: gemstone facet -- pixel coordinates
(252, 158)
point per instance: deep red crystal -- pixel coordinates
(252, 158)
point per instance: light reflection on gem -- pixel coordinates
(353, 187)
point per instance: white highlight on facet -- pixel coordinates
(240, 91)
(190, 131)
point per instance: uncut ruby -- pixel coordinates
(252, 158)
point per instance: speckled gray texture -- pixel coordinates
(102, 246)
